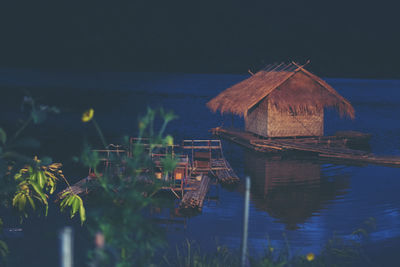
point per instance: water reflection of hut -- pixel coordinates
(290, 190)
(282, 100)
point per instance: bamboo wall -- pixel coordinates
(256, 120)
(266, 121)
(286, 124)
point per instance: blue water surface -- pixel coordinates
(306, 204)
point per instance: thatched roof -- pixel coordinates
(288, 87)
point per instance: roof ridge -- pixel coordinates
(279, 67)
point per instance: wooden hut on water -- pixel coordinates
(282, 100)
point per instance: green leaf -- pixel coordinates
(63, 204)
(23, 187)
(169, 140)
(16, 199)
(90, 158)
(3, 136)
(168, 163)
(70, 199)
(82, 211)
(52, 186)
(75, 206)
(31, 202)
(17, 176)
(66, 193)
(169, 116)
(67, 201)
(34, 177)
(3, 249)
(22, 202)
(38, 190)
(41, 179)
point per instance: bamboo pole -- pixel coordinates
(66, 247)
(245, 222)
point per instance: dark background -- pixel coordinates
(341, 38)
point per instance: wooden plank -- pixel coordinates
(201, 140)
(288, 145)
(194, 199)
(318, 149)
(224, 172)
(201, 147)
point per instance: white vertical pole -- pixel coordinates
(245, 222)
(66, 247)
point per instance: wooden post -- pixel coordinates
(66, 247)
(209, 154)
(193, 153)
(245, 222)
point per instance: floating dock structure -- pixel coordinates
(207, 157)
(199, 164)
(224, 172)
(333, 148)
(194, 198)
(283, 106)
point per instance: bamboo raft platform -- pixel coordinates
(224, 172)
(189, 182)
(194, 199)
(327, 147)
(207, 158)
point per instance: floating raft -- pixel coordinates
(189, 182)
(208, 158)
(224, 172)
(194, 199)
(328, 147)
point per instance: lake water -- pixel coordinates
(304, 200)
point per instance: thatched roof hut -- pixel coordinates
(282, 100)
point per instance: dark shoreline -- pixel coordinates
(190, 71)
(387, 72)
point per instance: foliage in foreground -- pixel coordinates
(338, 251)
(26, 181)
(120, 202)
(118, 206)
